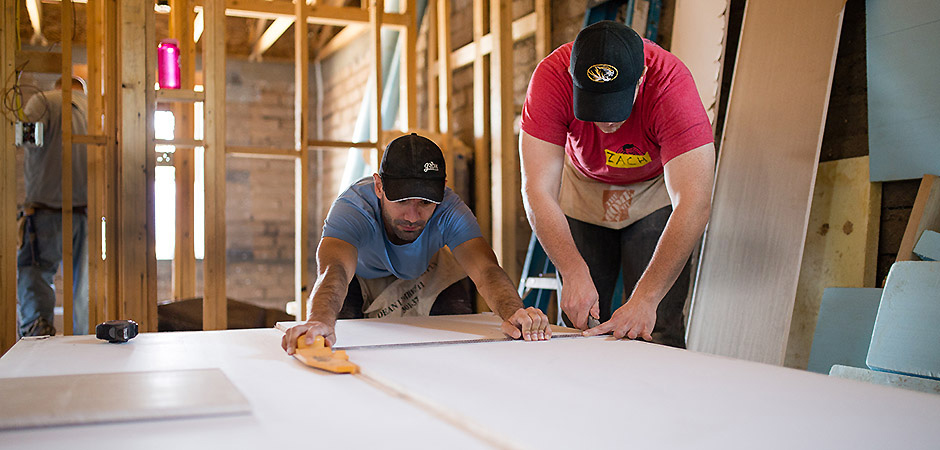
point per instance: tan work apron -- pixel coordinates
(607, 205)
(393, 297)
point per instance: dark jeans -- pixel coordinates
(628, 251)
(458, 298)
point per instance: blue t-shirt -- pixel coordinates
(355, 217)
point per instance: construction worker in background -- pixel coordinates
(618, 163)
(40, 251)
(383, 252)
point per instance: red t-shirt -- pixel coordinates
(668, 119)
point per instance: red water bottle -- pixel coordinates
(168, 64)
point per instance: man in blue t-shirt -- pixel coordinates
(387, 238)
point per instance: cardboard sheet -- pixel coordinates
(117, 397)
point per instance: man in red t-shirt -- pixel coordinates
(618, 162)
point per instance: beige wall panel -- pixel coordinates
(698, 39)
(841, 245)
(751, 255)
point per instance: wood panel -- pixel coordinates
(135, 237)
(506, 182)
(924, 216)
(302, 280)
(746, 284)
(214, 309)
(8, 228)
(841, 247)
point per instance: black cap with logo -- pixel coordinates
(413, 168)
(606, 64)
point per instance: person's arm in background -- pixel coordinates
(478, 260)
(336, 265)
(542, 164)
(689, 179)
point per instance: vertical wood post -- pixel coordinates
(214, 305)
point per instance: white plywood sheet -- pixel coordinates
(746, 283)
(698, 39)
(416, 330)
(117, 397)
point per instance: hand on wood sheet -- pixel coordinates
(530, 324)
(579, 300)
(309, 331)
(635, 319)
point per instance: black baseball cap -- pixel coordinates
(606, 64)
(413, 167)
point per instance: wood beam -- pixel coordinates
(95, 160)
(270, 36)
(112, 307)
(68, 295)
(481, 127)
(445, 87)
(319, 13)
(8, 207)
(522, 28)
(341, 40)
(41, 62)
(409, 87)
(182, 18)
(505, 159)
(302, 283)
(214, 305)
(431, 67)
(543, 28)
(135, 238)
(376, 8)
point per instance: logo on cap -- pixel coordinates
(429, 166)
(602, 73)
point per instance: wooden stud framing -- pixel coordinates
(409, 74)
(445, 87)
(136, 249)
(431, 66)
(182, 18)
(481, 124)
(522, 28)
(376, 9)
(111, 307)
(302, 163)
(214, 305)
(94, 26)
(543, 28)
(8, 228)
(68, 10)
(505, 167)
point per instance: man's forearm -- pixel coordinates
(328, 295)
(499, 293)
(679, 238)
(550, 225)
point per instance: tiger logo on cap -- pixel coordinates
(602, 73)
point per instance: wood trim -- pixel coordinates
(8, 227)
(302, 284)
(214, 305)
(505, 170)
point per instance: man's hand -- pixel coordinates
(634, 319)
(530, 324)
(309, 331)
(579, 299)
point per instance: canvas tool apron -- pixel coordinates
(608, 205)
(394, 297)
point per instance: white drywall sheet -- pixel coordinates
(565, 393)
(698, 39)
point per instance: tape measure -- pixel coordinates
(116, 331)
